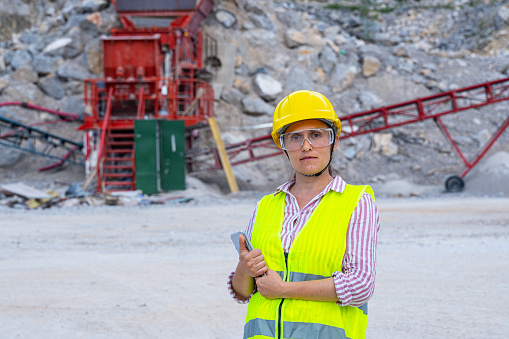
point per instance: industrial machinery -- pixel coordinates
(153, 70)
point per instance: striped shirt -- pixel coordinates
(355, 284)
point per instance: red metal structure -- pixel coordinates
(153, 68)
(379, 119)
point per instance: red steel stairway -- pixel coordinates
(118, 166)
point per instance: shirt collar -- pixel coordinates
(337, 184)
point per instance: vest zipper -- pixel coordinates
(279, 320)
(282, 300)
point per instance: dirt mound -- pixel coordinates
(490, 177)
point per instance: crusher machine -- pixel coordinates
(154, 87)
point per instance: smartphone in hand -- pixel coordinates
(235, 239)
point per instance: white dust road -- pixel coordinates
(160, 272)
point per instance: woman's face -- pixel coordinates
(309, 159)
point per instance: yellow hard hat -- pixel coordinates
(303, 105)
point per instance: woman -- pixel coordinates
(312, 269)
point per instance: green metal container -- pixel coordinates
(159, 155)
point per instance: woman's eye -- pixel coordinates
(295, 137)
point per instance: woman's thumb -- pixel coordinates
(242, 243)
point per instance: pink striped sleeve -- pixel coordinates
(356, 284)
(250, 225)
(249, 232)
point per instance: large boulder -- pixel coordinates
(242, 84)
(294, 38)
(299, 78)
(4, 82)
(75, 48)
(289, 19)
(25, 73)
(255, 106)
(260, 20)
(232, 96)
(400, 51)
(342, 77)
(73, 87)
(20, 59)
(266, 86)
(108, 19)
(277, 61)
(94, 57)
(328, 58)
(74, 104)
(2, 62)
(73, 70)
(45, 64)
(308, 57)
(383, 144)
(23, 91)
(10, 156)
(370, 65)
(369, 100)
(89, 6)
(225, 18)
(68, 47)
(52, 86)
(261, 38)
(502, 16)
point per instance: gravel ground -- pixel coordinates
(160, 271)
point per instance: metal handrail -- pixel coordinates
(104, 131)
(199, 95)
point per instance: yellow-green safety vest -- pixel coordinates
(316, 253)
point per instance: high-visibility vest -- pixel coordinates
(316, 253)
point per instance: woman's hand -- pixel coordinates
(270, 286)
(252, 262)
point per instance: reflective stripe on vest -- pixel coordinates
(316, 252)
(267, 329)
(260, 328)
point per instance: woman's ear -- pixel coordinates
(336, 142)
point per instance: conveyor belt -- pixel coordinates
(36, 141)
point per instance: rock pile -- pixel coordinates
(21, 196)
(396, 52)
(49, 48)
(407, 51)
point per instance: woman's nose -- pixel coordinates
(306, 144)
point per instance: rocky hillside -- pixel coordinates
(361, 55)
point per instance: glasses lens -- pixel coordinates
(316, 137)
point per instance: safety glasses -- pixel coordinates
(317, 137)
